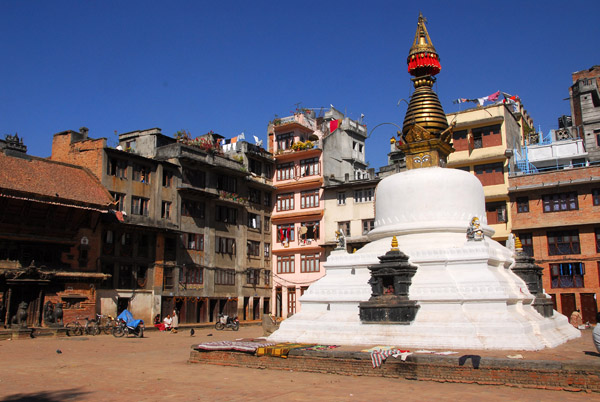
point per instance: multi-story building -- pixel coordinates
(185, 214)
(556, 213)
(49, 236)
(308, 151)
(350, 207)
(585, 109)
(484, 139)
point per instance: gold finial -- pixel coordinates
(394, 244)
(392, 140)
(354, 250)
(518, 244)
(426, 136)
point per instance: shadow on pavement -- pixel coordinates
(47, 396)
(592, 354)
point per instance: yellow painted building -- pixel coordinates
(484, 139)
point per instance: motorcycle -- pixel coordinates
(126, 325)
(225, 321)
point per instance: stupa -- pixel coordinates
(463, 291)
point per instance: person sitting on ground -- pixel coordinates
(576, 320)
(168, 322)
(158, 323)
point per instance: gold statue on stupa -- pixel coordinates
(426, 136)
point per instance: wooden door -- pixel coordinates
(567, 302)
(589, 309)
(291, 302)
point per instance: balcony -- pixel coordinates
(354, 126)
(299, 119)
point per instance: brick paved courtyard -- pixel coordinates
(155, 368)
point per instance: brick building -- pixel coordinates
(50, 214)
(186, 211)
(556, 214)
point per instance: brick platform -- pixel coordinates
(543, 374)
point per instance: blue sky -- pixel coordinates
(231, 66)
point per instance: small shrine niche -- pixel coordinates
(390, 282)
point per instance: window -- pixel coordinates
(364, 195)
(597, 241)
(253, 249)
(285, 233)
(168, 281)
(253, 221)
(192, 208)
(285, 264)
(141, 174)
(226, 183)
(496, 212)
(596, 196)
(522, 204)
(224, 277)
(226, 214)
(285, 141)
(165, 210)
(224, 245)
(252, 276)
(193, 241)
(344, 227)
(267, 277)
(341, 197)
(125, 277)
(563, 242)
(477, 139)
(254, 195)
(117, 168)
(267, 248)
(285, 171)
(309, 167)
(309, 262)
(488, 136)
(560, 202)
(309, 199)
(139, 206)
(308, 231)
(120, 200)
(267, 199)
(527, 242)
(193, 275)
(193, 177)
(567, 275)
(254, 166)
(459, 140)
(490, 174)
(144, 241)
(267, 224)
(368, 225)
(285, 202)
(167, 178)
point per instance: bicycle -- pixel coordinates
(76, 329)
(105, 323)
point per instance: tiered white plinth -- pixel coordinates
(468, 296)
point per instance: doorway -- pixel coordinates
(122, 304)
(567, 302)
(589, 309)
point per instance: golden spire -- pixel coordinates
(425, 132)
(394, 244)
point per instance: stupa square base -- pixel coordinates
(571, 366)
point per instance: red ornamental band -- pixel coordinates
(424, 60)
